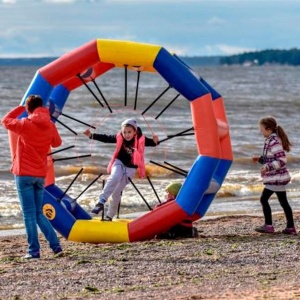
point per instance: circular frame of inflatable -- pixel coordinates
(56, 80)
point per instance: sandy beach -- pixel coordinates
(228, 260)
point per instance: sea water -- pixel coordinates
(249, 93)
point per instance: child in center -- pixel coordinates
(127, 158)
(274, 173)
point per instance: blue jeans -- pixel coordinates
(31, 191)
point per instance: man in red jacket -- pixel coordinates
(35, 135)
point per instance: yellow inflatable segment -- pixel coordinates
(96, 231)
(133, 54)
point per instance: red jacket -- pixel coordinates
(35, 134)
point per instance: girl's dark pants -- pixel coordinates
(264, 200)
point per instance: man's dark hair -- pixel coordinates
(33, 102)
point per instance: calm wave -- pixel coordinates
(249, 93)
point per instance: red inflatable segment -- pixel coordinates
(71, 64)
(223, 128)
(205, 127)
(158, 220)
(96, 70)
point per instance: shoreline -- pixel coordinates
(134, 215)
(220, 207)
(21, 231)
(229, 260)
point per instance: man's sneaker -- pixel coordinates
(107, 218)
(291, 230)
(98, 207)
(58, 251)
(31, 256)
(265, 229)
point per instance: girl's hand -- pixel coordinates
(263, 170)
(255, 159)
(87, 133)
(155, 139)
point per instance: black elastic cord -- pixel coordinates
(139, 193)
(90, 90)
(156, 100)
(65, 192)
(101, 94)
(71, 157)
(119, 208)
(153, 189)
(60, 150)
(89, 186)
(173, 170)
(179, 169)
(125, 88)
(176, 135)
(72, 118)
(60, 122)
(137, 88)
(166, 107)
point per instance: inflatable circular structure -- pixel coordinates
(55, 81)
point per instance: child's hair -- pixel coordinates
(33, 102)
(271, 124)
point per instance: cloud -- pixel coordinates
(190, 27)
(230, 50)
(216, 21)
(8, 1)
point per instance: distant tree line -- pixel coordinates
(282, 57)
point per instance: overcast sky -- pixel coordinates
(187, 27)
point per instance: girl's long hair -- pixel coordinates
(271, 124)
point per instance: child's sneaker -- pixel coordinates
(107, 218)
(265, 229)
(291, 230)
(98, 207)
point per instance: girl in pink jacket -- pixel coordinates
(127, 159)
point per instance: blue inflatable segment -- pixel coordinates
(59, 96)
(214, 94)
(196, 183)
(219, 176)
(204, 204)
(179, 76)
(56, 212)
(80, 214)
(71, 205)
(38, 86)
(222, 170)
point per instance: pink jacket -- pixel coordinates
(138, 154)
(36, 134)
